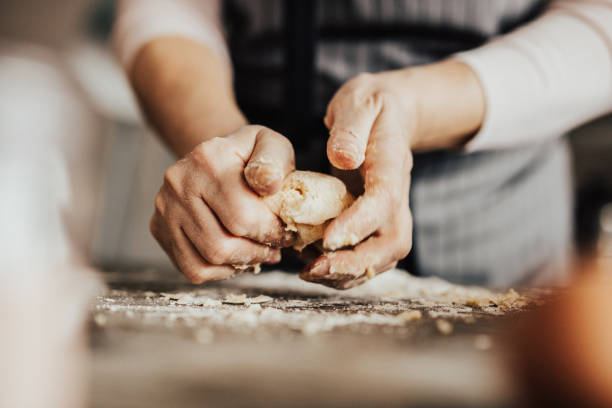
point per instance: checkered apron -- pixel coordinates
(494, 218)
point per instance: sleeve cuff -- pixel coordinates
(140, 21)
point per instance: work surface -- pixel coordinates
(272, 340)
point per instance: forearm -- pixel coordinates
(535, 83)
(186, 92)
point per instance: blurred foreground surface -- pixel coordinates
(273, 340)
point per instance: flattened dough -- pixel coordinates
(307, 202)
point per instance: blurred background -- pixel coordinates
(62, 94)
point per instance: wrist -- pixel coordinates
(447, 104)
(213, 122)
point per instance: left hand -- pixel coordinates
(371, 123)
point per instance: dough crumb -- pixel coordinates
(234, 299)
(510, 299)
(212, 303)
(256, 308)
(410, 315)
(186, 300)
(243, 299)
(260, 299)
(444, 326)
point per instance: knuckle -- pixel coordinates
(240, 224)
(219, 253)
(376, 99)
(203, 154)
(173, 178)
(194, 276)
(210, 157)
(256, 128)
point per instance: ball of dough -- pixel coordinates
(307, 202)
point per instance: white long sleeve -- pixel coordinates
(547, 77)
(140, 21)
(540, 80)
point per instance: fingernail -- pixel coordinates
(343, 150)
(346, 157)
(263, 175)
(320, 267)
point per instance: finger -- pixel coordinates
(195, 269)
(386, 173)
(245, 215)
(271, 161)
(350, 119)
(217, 246)
(237, 206)
(368, 258)
(346, 277)
(346, 283)
(337, 284)
(188, 260)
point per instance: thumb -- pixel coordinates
(350, 123)
(272, 159)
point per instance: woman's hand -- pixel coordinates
(208, 215)
(375, 122)
(371, 128)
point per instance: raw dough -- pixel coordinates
(307, 202)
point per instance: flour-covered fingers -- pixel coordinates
(368, 258)
(376, 255)
(187, 259)
(218, 247)
(244, 214)
(386, 173)
(345, 282)
(272, 159)
(206, 216)
(359, 221)
(217, 174)
(350, 117)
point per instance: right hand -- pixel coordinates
(208, 215)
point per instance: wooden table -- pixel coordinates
(160, 342)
